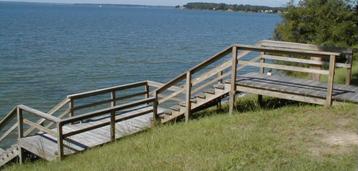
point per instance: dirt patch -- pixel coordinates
(342, 139)
(341, 142)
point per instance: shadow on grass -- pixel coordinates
(355, 79)
(247, 104)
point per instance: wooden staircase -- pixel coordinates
(218, 92)
(9, 154)
(74, 124)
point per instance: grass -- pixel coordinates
(284, 136)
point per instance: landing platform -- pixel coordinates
(45, 145)
(285, 84)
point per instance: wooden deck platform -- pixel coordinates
(285, 84)
(45, 145)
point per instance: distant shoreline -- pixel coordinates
(231, 7)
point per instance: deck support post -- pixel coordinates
(188, 96)
(262, 73)
(113, 117)
(221, 81)
(332, 68)
(349, 70)
(60, 149)
(146, 89)
(233, 80)
(113, 126)
(155, 119)
(20, 132)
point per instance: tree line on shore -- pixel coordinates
(231, 7)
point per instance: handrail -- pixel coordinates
(39, 113)
(7, 117)
(211, 60)
(106, 90)
(13, 113)
(50, 112)
(294, 51)
(106, 111)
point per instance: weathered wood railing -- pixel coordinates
(314, 62)
(9, 120)
(68, 111)
(285, 52)
(186, 81)
(201, 77)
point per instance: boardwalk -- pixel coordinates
(93, 118)
(45, 145)
(343, 93)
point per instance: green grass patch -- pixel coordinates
(279, 136)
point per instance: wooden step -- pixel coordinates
(175, 108)
(9, 154)
(219, 86)
(201, 96)
(210, 91)
(167, 112)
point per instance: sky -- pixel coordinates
(276, 3)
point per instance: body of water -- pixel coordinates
(48, 51)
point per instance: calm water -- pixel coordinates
(48, 51)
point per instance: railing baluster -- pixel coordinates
(233, 80)
(188, 96)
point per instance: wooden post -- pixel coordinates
(60, 141)
(262, 73)
(113, 97)
(20, 132)
(113, 126)
(332, 68)
(349, 70)
(155, 110)
(221, 81)
(262, 61)
(233, 80)
(146, 89)
(188, 96)
(316, 77)
(71, 106)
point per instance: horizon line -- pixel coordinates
(92, 3)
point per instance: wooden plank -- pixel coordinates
(39, 113)
(106, 123)
(7, 117)
(106, 90)
(39, 127)
(292, 59)
(284, 50)
(158, 85)
(281, 95)
(107, 110)
(8, 132)
(285, 67)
